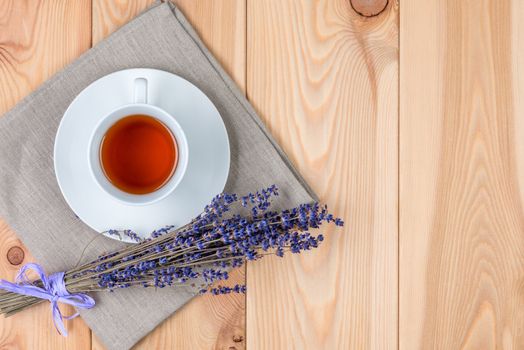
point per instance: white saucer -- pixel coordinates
(208, 145)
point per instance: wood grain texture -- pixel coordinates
(111, 15)
(325, 78)
(221, 25)
(206, 322)
(461, 175)
(325, 81)
(34, 329)
(369, 8)
(37, 38)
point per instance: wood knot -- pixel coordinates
(15, 255)
(238, 338)
(369, 8)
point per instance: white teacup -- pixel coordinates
(140, 106)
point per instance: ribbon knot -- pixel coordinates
(53, 289)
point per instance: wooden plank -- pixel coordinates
(206, 322)
(37, 38)
(221, 27)
(461, 175)
(111, 15)
(325, 80)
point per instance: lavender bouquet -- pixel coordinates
(199, 253)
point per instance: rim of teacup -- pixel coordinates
(109, 120)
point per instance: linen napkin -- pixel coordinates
(30, 199)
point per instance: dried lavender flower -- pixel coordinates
(202, 251)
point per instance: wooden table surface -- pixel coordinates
(408, 119)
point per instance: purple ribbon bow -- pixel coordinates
(53, 290)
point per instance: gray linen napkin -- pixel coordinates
(30, 199)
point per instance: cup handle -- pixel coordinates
(140, 90)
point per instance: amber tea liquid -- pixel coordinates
(138, 154)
